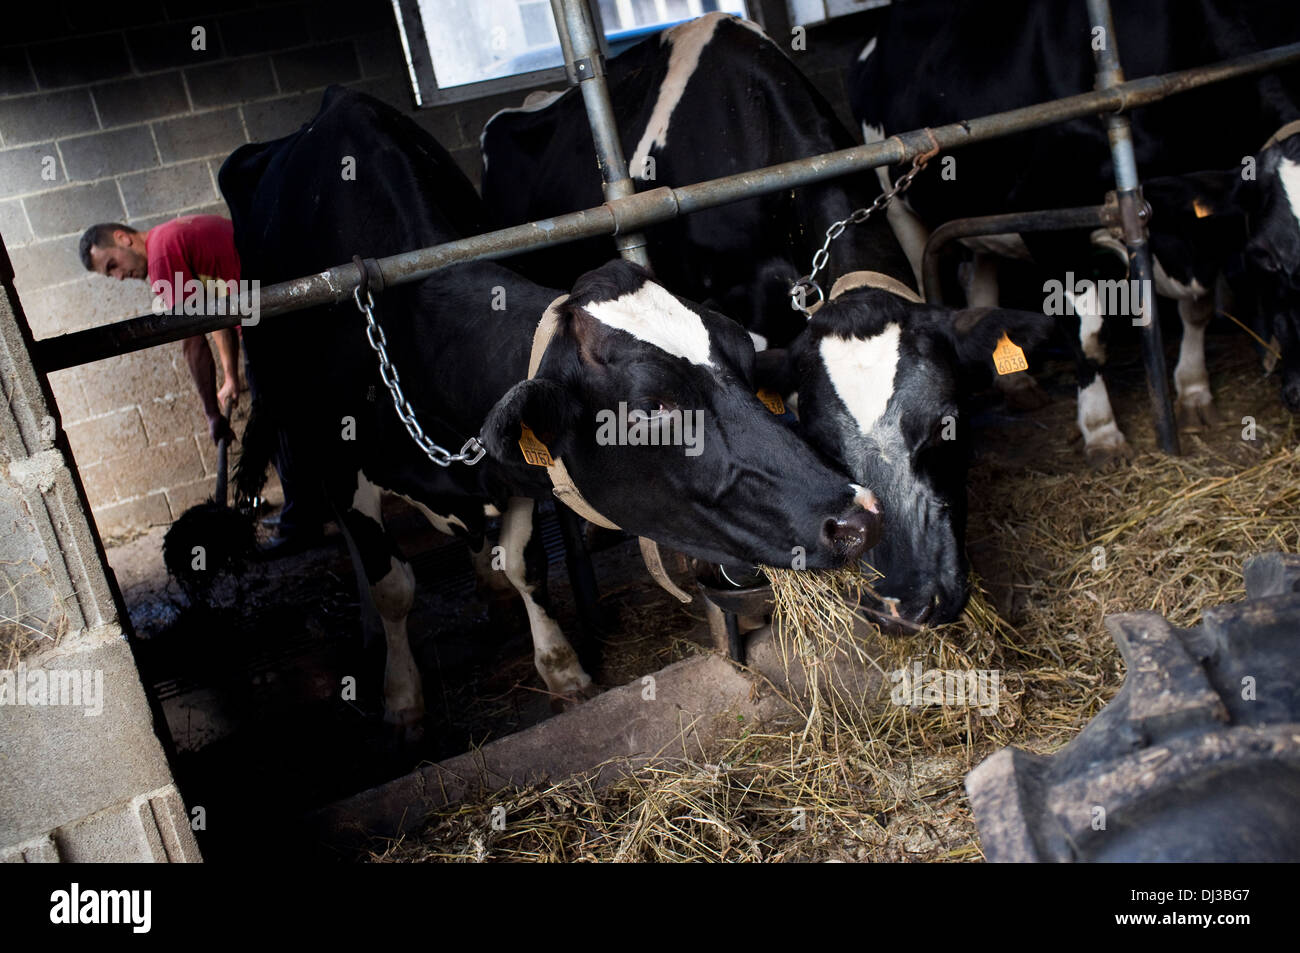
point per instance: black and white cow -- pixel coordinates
(922, 67)
(710, 97)
(1272, 207)
(744, 488)
(877, 374)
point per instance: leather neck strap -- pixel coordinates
(565, 490)
(562, 485)
(1286, 132)
(873, 279)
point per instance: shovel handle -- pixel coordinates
(222, 449)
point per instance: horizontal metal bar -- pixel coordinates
(650, 208)
(1049, 220)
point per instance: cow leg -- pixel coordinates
(491, 578)
(1103, 442)
(1019, 390)
(1191, 380)
(391, 584)
(372, 627)
(525, 558)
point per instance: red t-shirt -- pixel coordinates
(193, 246)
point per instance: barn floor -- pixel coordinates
(251, 688)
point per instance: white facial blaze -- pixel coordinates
(862, 371)
(867, 50)
(652, 315)
(688, 42)
(1289, 173)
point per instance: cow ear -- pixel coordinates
(1178, 201)
(546, 407)
(773, 370)
(975, 333)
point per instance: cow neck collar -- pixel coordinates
(873, 279)
(566, 491)
(1286, 132)
(562, 485)
(868, 279)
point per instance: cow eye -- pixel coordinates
(651, 407)
(1262, 256)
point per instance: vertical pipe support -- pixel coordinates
(1134, 215)
(586, 68)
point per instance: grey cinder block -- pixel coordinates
(135, 100)
(171, 187)
(169, 45)
(316, 66)
(44, 115)
(73, 208)
(115, 152)
(230, 82)
(205, 134)
(23, 169)
(82, 59)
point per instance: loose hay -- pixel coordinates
(859, 778)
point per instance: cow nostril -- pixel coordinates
(1291, 396)
(854, 534)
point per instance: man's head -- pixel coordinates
(114, 250)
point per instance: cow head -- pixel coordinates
(877, 382)
(1272, 206)
(649, 401)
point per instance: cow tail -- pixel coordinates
(260, 441)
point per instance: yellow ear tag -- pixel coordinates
(535, 451)
(1201, 208)
(772, 401)
(1008, 357)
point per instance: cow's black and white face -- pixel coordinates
(877, 385)
(650, 402)
(1272, 204)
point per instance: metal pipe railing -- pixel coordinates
(586, 68)
(1048, 220)
(648, 208)
(1133, 217)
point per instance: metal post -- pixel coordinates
(1133, 218)
(586, 68)
(620, 216)
(1051, 220)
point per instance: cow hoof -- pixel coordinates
(1022, 392)
(406, 727)
(1196, 411)
(572, 699)
(1110, 455)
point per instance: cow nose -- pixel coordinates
(853, 534)
(1291, 395)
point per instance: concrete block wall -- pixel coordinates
(81, 779)
(131, 124)
(120, 118)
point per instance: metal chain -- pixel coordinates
(822, 257)
(472, 451)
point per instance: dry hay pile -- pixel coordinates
(853, 778)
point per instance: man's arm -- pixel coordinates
(203, 369)
(228, 347)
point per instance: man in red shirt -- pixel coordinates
(198, 247)
(201, 248)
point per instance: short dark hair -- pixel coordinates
(100, 236)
